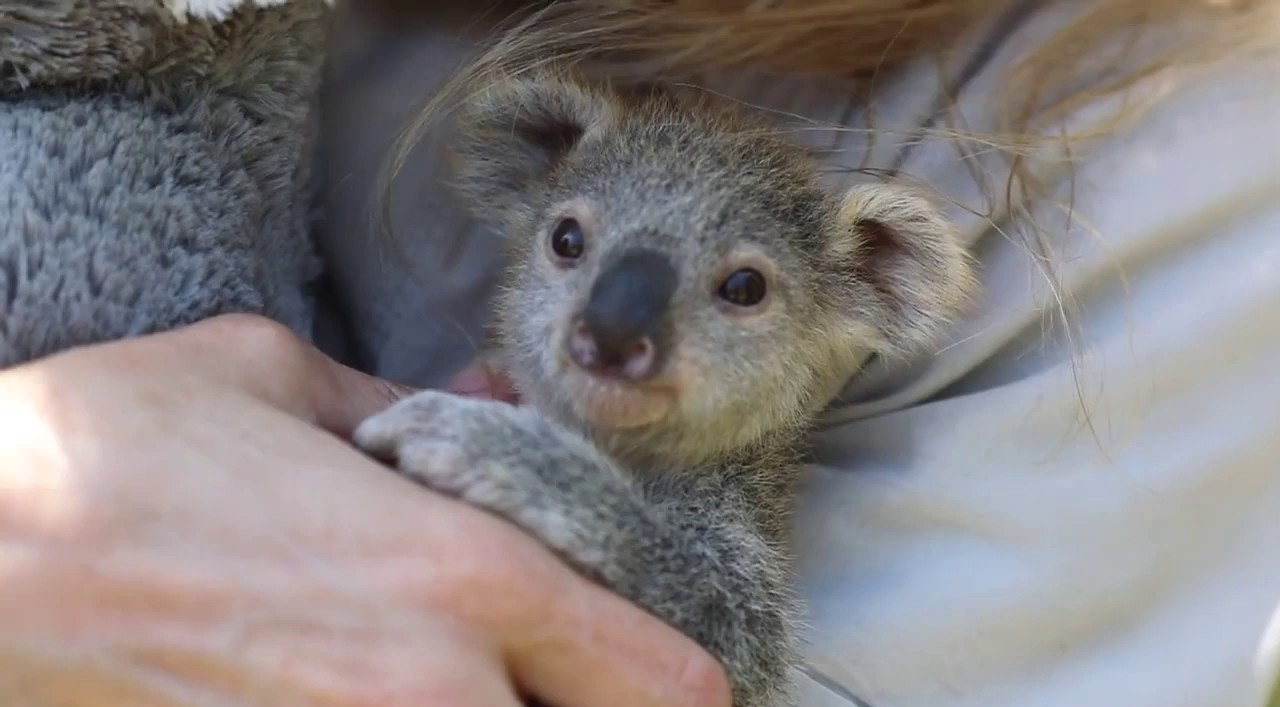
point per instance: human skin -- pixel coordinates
(182, 522)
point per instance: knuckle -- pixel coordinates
(252, 335)
(253, 342)
(251, 329)
(702, 681)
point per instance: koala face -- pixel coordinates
(656, 289)
(678, 279)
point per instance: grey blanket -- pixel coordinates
(152, 172)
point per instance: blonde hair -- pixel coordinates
(1088, 58)
(1102, 49)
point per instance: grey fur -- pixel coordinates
(152, 173)
(685, 513)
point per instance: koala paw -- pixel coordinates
(490, 454)
(456, 445)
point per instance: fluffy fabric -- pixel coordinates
(154, 166)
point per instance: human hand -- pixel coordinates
(182, 523)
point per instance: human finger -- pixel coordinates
(599, 649)
(267, 361)
(481, 381)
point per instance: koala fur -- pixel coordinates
(672, 486)
(154, 167)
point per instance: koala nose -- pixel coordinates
(629, 358)
(618, 329)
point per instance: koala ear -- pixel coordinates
(514, 134)
(911, 271)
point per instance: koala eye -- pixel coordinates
(744, 288)
(567, 239)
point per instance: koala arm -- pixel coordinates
(696, 562)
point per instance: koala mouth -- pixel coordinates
(612, 403)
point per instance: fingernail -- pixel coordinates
(474, 381)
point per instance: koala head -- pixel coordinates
(679, 281)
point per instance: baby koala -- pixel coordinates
(683, 297)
